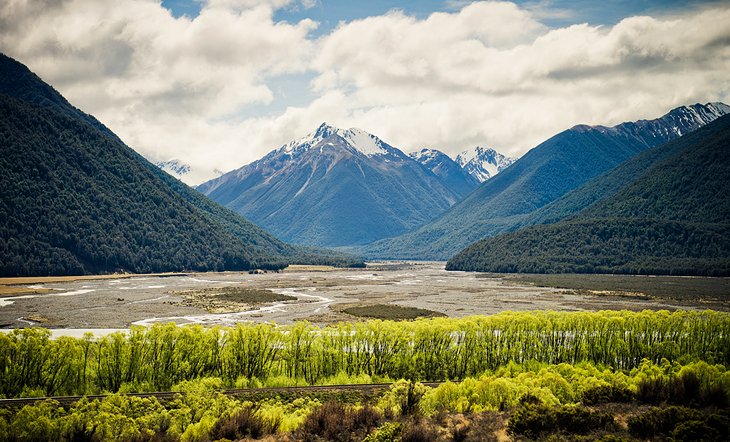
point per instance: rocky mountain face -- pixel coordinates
(176, 168)
(334, 187)
(483, 163)
(450, 172)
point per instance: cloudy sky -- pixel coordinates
(218, 83)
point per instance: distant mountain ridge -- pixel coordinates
(441, 165)
(665, 211)
(541, 176)
(483, 163)
(334, 187)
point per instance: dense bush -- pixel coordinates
(535, 396)
(690, 387)
(604, 245)
(77, 200)
(671, 218)
(388, 432)
(606, 393)
(681, 423)
(535, 420)
(198, 413)
(242, 424)
(334, 421)
(418, 431)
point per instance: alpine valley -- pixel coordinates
(449, 257)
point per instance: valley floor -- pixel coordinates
(321, 295)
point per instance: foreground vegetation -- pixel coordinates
(156, 358)
(526, 401)
(533, 376)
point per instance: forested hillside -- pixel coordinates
(77, 200)
(543, 175)
(673, 218)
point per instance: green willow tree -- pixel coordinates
(156, 358)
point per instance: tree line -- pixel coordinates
(156, 358)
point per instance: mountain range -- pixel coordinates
(186, 172)
(646, 196)
(338, 187)
(451, 174)
(341, 187)
(77, 200)
(664, 211)
(560, 164)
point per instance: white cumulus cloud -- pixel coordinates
(487, 73)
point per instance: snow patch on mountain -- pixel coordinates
(186, 173)
(360, 140)
(174, 167)
(483, 163)
(424, 155)
(677, 122)
(337, 187)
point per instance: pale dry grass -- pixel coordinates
(309, 268)
(11, 290)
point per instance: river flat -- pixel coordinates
(318, 295)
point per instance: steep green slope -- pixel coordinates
(546, 173)
(601, 187)
(16, 80)
(76, 200)
(673, 218)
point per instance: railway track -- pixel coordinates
(169, 395)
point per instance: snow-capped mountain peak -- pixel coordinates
(426, 154)
(687, 118)
(677, 122)
(446, 169)
(358, 139)
(338, 187)
(364, 142)
(483, 163)
(174, 167)
(186, 173)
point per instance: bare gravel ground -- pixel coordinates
(321, 294)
